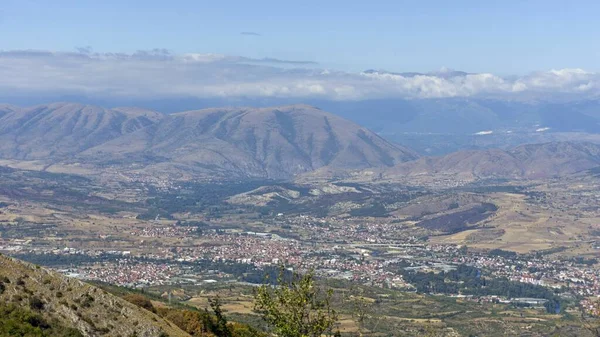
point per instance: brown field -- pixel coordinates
(522, 226)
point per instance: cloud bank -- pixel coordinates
(159, 73)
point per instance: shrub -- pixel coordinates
(87, 301)
(36, 303)
(141, 301)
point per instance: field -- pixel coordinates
(371, 311)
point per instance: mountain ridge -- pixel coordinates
(528, 161)
(275, 143)
(60, 130)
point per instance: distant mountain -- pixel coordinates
(533, 161)
(60, 130)
(7, 108)
(432, 126)
(275, 142)
(467, 116)
(51, 301)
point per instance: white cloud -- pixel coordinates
(563, 80)
(159, 73)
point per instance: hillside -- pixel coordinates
(533, 161)
(7, 108)
(269, 143)
(72, 304)
(57, 131)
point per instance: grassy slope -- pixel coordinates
(77, 305)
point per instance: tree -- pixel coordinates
(296, 307)
(219, 327)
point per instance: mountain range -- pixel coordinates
(59, 131)
(264, 143)
(529, 161)
(273, 143)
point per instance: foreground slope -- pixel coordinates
(75, 304)
(53, 132)
(275, 142)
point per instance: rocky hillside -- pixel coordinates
(75, 305)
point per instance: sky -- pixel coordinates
(503, 37)
(301, 48)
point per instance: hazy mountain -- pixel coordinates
(59, 130)
(7, 108)
(466, 116)
(276, 142)
(432, 126)
(258, 142)
(76, 305)
(526, 161)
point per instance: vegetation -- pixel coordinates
(459, 221)
(189, 319)
(141, 301)
(375, 210)
(37, 302)
(203, 323)
(195, 197)
(297, 308)
(18, 321)
(502, 253)
(468, 280)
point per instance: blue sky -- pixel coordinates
(502, 37)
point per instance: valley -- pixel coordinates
(504, 237)
(299, 169)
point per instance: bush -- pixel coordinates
(36, 303)
(141, 301)
(87, 301)
(18, 321)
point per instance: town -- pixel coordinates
(333, 248)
